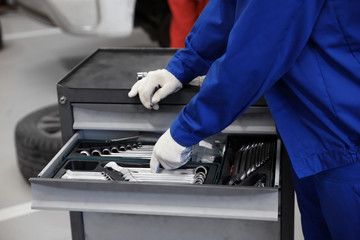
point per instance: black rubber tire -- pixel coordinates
(37, 140)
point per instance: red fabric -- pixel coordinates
(184, 15)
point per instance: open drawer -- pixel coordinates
(212, 199)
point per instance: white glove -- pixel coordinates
(154, 87)
(198, 81)
(168, 153)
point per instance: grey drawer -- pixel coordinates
(134, 117)
(209, 201)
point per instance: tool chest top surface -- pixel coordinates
(115, 68)
(108, 74)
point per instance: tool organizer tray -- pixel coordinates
(80, 160)
(251, 156)
(249, 160)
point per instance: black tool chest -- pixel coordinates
(236, 186)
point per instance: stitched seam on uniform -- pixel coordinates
(324, 84)
(343, 34)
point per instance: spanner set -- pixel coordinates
(242, 164)
(246, 160)
(249, 161)
(128, 161)
(135, 150)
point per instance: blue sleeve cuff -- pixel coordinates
(183, 135)
(179, 69)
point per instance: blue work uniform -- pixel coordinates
(302, 55)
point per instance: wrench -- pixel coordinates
(114, 166)
(85, 175)
(197, 175)
(140, 155)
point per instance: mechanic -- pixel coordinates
(184, 14)
(304, 57)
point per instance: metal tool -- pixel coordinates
(124, 139)
(260, 182)
(141, 75)
(125, 151)
(259, 154)
(237, 172)
(189, 176)
(255, 157)
(81, 175)
(247, 159)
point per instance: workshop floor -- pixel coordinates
(35, 56)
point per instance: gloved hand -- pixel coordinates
(154, 87)
(198, 81)
(168, 153)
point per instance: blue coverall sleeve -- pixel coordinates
(264, 42)
(206, 42)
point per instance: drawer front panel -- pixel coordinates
(157, 199)
(134, 117)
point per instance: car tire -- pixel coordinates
(37, 140)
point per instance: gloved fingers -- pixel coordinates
(163, 92)
(168, 165)
(134, 90)
(154, 164)
(156, 106)
(145, 100)
(147, 90)
(157, 160)
(172, 165)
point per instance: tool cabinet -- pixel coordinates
(96, 111)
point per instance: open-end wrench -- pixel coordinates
(197, 175)
(253, 157)
(81, 175)
(159, 177)
(140, 155)
(116, 167)
(123, 148)
(162, 181)
(127, 175)
(259, 154)
(127, 172)
(268, 151)
(263, 153)
(249, 157)
(238, 167)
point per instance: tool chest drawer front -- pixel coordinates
(129, 117)
(140, 227)
(156, 199)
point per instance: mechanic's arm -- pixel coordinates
(264, 43)
(205, 43)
